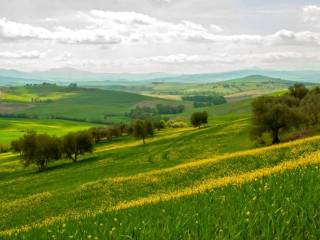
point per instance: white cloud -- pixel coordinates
(14, 31)
(22, 55)
(287, 37)
(311, 13)
(216, 28)
(105, 27)
(222, 58)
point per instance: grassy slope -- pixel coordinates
(125, 172)
(11, 129)
(250, 86)
(82, 104)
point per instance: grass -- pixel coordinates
(189, 183)
(11, 129)
(265, 208)
(124, 172)
(234, 89)
(74, 103)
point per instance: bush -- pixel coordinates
(205, 100)
(170, 109)
(175, 124)
(199, 118)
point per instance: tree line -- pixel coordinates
(41, 149)
(205, 100)
(145, 112)
(299, 107)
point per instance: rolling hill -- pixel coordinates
(211, 181)
(52, 101)
(83, 78)
(233, 89)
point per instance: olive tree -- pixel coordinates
(142, 129)
(272, 115)
(198, 119)
(75, 144)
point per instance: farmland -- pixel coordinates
(211, 181)
(89, 105)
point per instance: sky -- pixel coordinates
(173, 36)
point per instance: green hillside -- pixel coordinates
(211, 181)
(52, 101)
(234, 89)
(13, 128)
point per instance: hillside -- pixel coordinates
(66, 76)
(203, 178)
(52, 101)
(234, 89)
(13, 128)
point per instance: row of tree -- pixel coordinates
(145, 112)
(205, 100)
(40, 149)
(299, 107)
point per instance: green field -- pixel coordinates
(126, 189)
(91, 105)
(11, 129)
(190, 183)
(235, 89)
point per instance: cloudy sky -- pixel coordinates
(181, 36)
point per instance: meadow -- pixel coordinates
(184, 183)
(172, 171)
(13, 128)
(72, 103)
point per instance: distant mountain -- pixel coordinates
(259, 79)
(298, 76)
(68, 75)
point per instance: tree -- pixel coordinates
(142, 129)
(75, 144)
(16, 146)
(159, 124)
(272, 115)
(298, 91)
(199, 118)
(37, 149)
(47, 149)
(310, 106)
(97, 133)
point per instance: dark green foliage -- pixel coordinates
(75, 144)
(151, 113)
(310, 107)
(272, 115)
(142, 129)
(159, 124)
(205, 100)
(170, 109)
(142, 113)
(38, 149)
(298, 91)
(102, 133)
(199, 118)
(299, 107)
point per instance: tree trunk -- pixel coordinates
(275, 137)
(42, 167)
(143, 140)
(75, 159)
